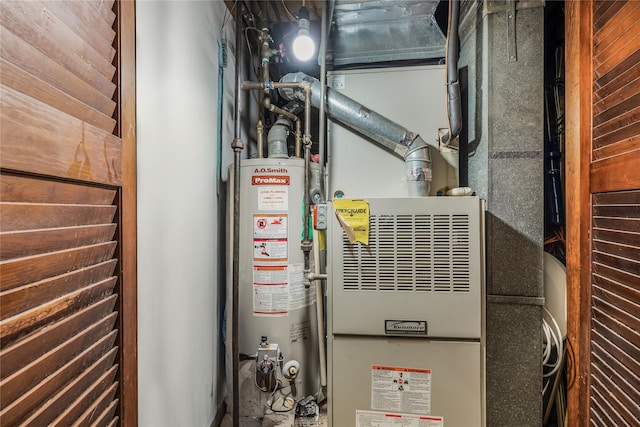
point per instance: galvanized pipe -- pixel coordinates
(237, 147)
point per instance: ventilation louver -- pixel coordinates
(422, 253)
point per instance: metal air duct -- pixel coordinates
(384, 132)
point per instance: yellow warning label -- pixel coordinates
(353, 216)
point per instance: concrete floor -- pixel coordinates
(254, 411)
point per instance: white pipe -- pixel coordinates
(320, 311)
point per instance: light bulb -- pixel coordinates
(303, 46)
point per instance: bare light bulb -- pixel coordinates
(303, 45)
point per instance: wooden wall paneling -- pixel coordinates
(94, 413)
(104, 9)
(623, 127)
(617, 149)
(36, 88)
(20, 271)
(604, 12)
(83, 18)
(612, 368)
(614, 173)
(106, 417)
(609, 342)
(578, 102)
(618, 76)
(36, 216)
(41, 341)
(30, 21)
(30, 375)
(608, 100)
(24, 56)
(40, 139)
(616, 112)
(67, 396)
(103, 350)
(24, 189)
(66, 219)
(621, 48)
(615, 28)
(103, 388)
(32, 295)
(28, 321)
(128, 411)
(31, 242)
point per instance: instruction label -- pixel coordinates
(337, 81)
(387, 419)
(401, 389)
(270, 232)
(299, 296)
(273, 198)
(299, 331)
(353, 216)
(270, 290)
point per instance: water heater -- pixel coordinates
(273, 299)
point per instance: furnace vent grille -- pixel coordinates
(423, 253)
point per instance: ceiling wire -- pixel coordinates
(288, 11)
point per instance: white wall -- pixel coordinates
(178, 246)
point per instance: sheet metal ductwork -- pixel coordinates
(384, 132)
(382, 31)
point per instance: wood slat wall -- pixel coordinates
(58, 324)
(615, 319)
(603, 211)
(61, 203)
(616, 91)
(614, 336)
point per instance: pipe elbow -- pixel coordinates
(417, 162)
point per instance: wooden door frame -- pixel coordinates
(578, 114)
(128, 273)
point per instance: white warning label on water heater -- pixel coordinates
(270, 242)
(270, 290)
(390, 419)
(401, 389)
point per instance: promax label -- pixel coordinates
(270, 180)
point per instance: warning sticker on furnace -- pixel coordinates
(401, 389)
(387, 419)
(353, 216)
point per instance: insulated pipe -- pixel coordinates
(237, 147)
(454, 102)
(384, 132)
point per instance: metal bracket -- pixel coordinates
(511, 31)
